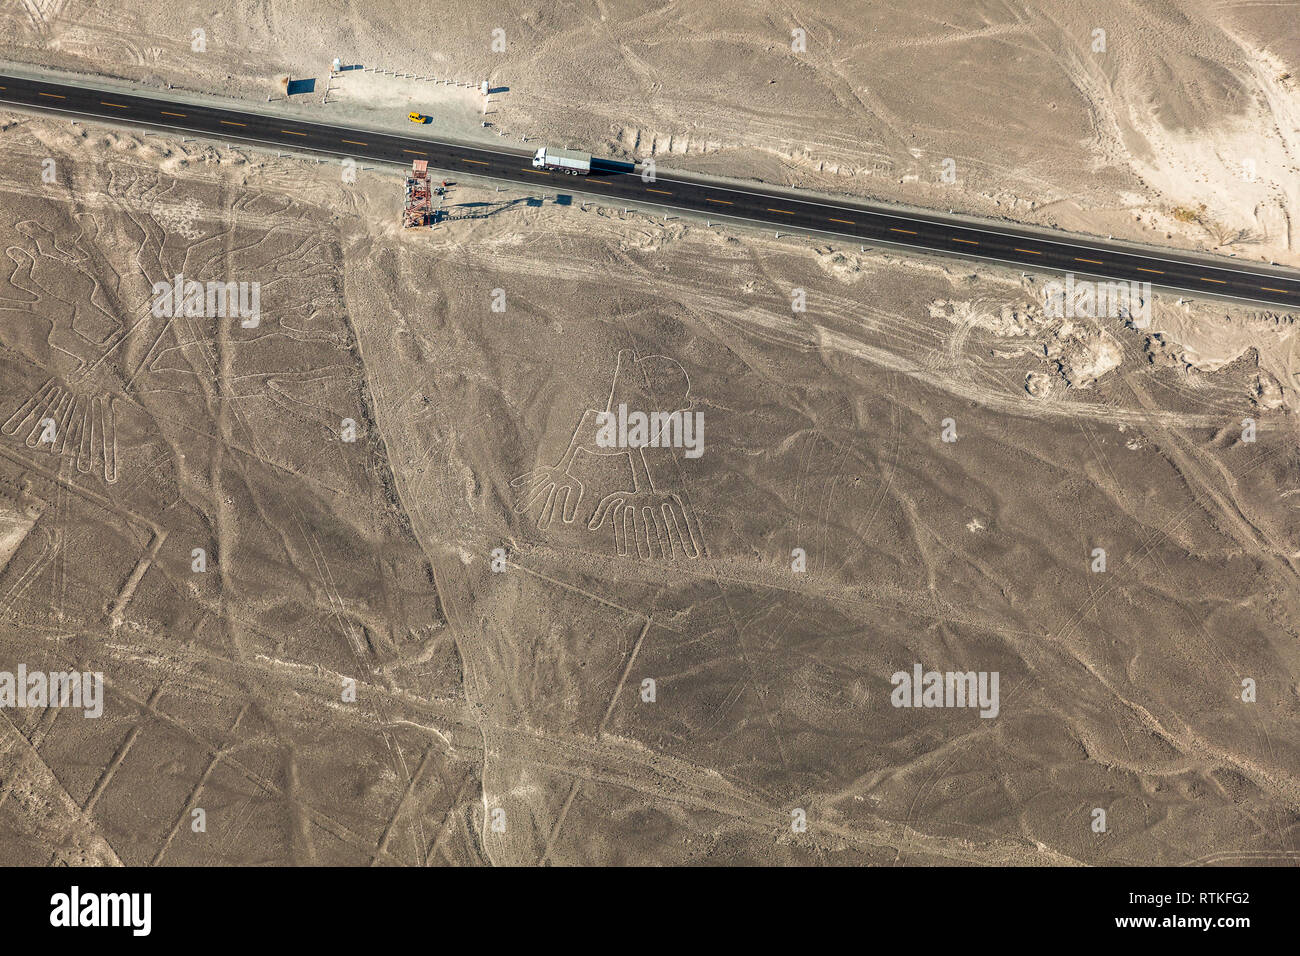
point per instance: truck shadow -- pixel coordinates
(487, 210)
(468, 211)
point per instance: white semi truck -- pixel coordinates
(562, 160)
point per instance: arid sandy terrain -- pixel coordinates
(395, 486)
(1178, 123)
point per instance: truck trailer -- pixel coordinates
(562, 160)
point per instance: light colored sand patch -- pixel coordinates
(13, 531)
(1205, 338)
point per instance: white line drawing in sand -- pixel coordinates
(648, 516)
(72, 415)
(64, 423)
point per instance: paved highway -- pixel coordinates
(619, 182)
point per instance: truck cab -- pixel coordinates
(539, 158)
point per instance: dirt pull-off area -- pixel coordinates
(1174, 122)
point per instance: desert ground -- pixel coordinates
(426, 627)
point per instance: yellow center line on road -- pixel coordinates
(724, 202)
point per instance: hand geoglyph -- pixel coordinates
(647, 518)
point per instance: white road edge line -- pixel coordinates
(833, 232)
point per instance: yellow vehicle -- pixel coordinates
(418, 118)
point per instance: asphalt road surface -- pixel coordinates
(620, 182)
